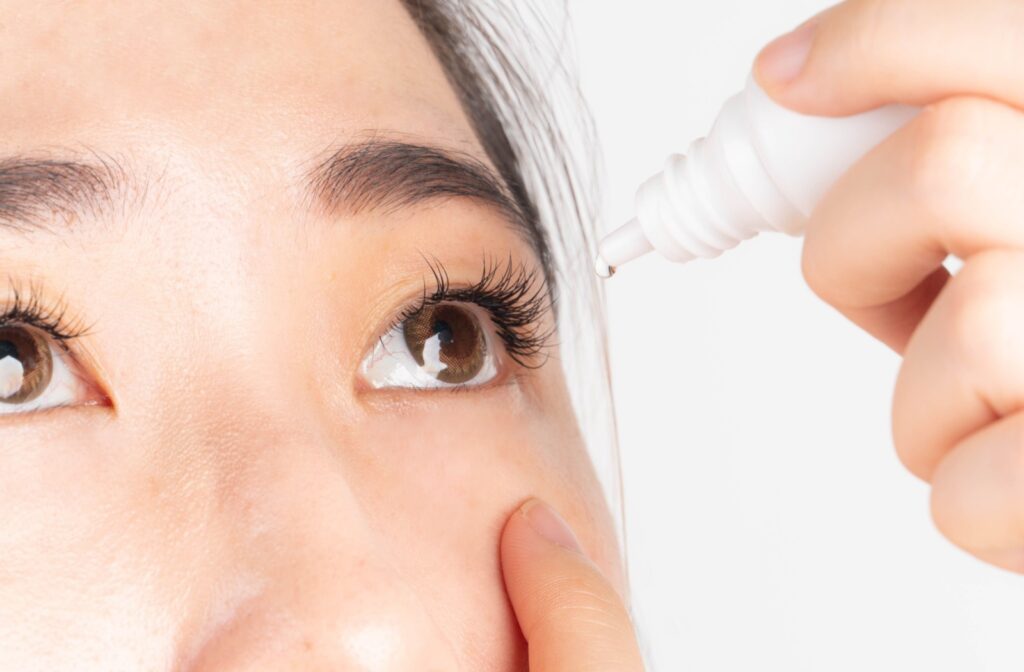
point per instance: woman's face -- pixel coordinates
(239, 465)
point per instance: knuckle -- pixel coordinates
(819, 273)
(1017, 489)
(905, 435)
(945, 510)
(988, 523)
(1016, 473)
(948, 516)
(874, 32)
(872, 24)
(821, 260)
(812, 271)
(984, 301)
(946, 154)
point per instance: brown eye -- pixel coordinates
(447, 342)
(26, 364)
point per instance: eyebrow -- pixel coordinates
(34, 191)
(385, 176)
(374, 175)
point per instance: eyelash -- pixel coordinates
(51, 318)
(516, 298)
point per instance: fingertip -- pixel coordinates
(535, 530)
(796, 70)
(570, 614)
(783, 60)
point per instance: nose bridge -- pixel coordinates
(281, 566)
(302, 579)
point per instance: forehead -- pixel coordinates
(229, 71)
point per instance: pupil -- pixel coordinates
(443, 331)
(8, 349)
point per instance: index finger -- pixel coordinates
(946, 183)
(571, 616)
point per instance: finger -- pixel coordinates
(864, 53)
(571, 616)
(948, 182)
(964, 367)
(978, 494)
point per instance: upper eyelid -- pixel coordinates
(51, 318)
(518, 290)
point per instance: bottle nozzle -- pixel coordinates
(624, 244)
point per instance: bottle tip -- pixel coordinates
(603, 269)
(624, 244)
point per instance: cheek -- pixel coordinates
(134, 542)
(443, 484)
(80, 573)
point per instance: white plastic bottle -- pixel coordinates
(763, 167)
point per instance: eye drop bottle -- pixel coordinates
(763, 167)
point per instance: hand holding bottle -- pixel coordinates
(949, 182)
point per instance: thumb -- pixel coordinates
(570, 615)
(860, 54)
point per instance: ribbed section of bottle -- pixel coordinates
(693, 208)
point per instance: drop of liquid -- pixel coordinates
(602, 268)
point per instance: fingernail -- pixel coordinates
(783, 59)
(549, 525)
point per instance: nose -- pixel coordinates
(295, 576)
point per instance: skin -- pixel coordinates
(243, 502)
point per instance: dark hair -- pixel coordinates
(507, 109)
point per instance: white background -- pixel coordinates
(770, 524)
